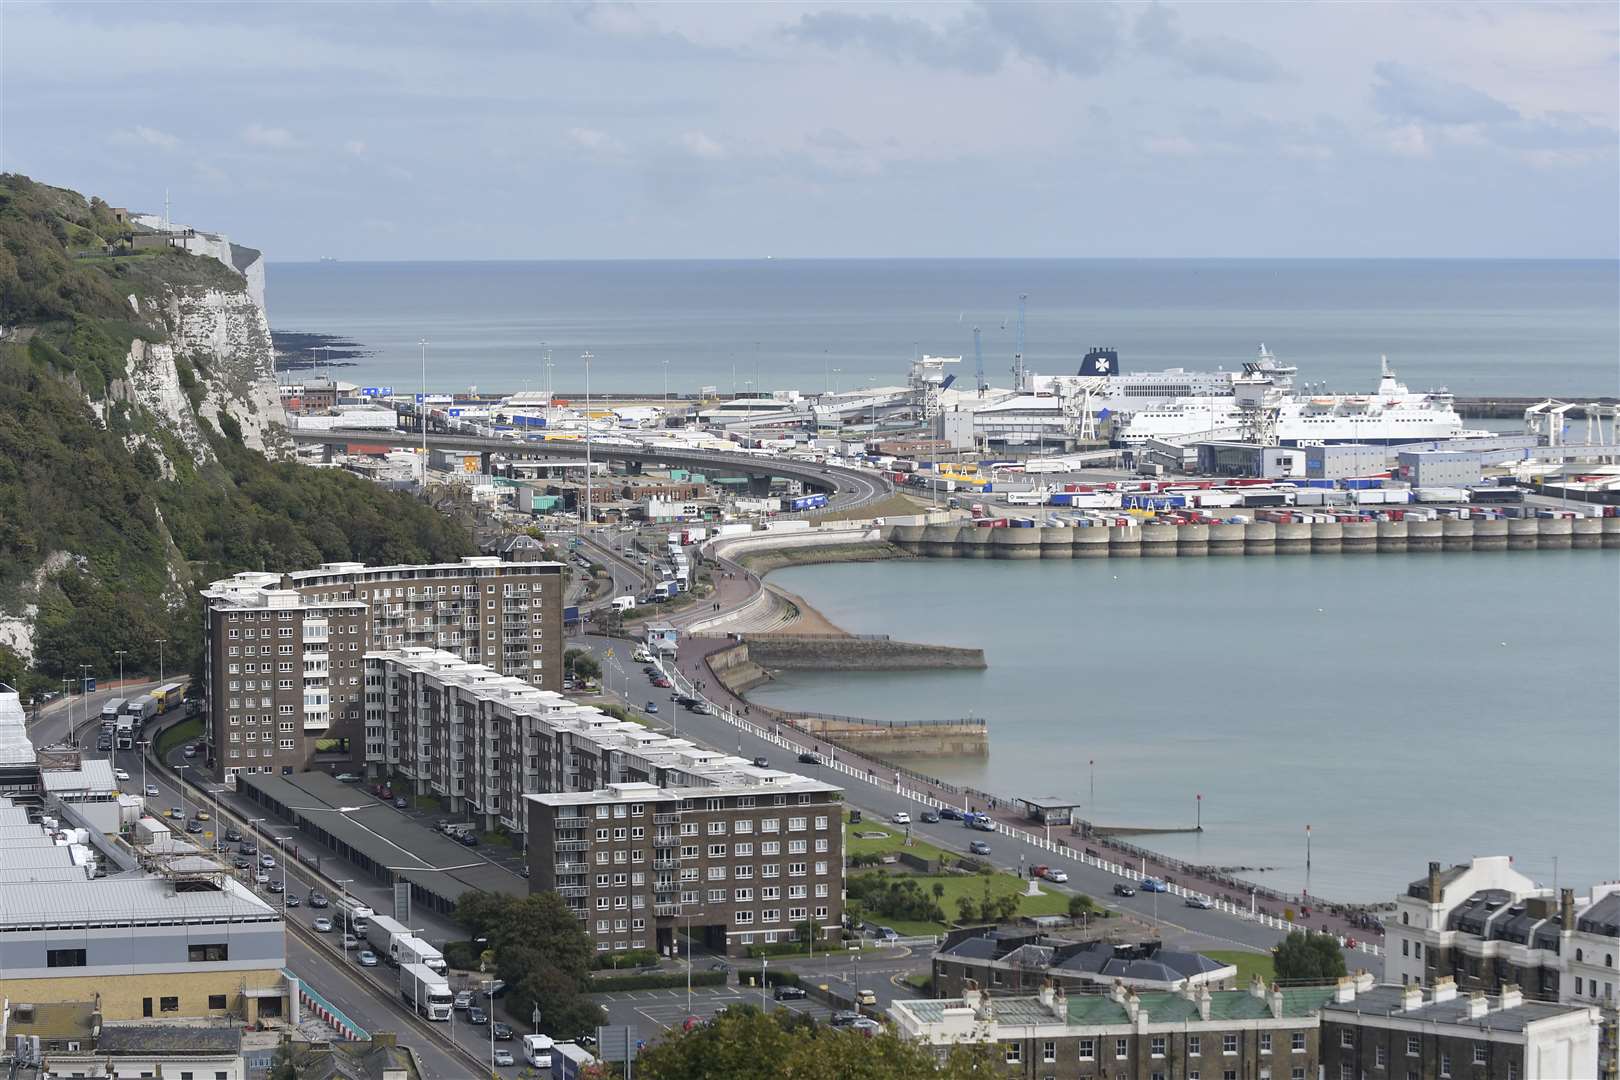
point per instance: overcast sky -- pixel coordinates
(497, 130)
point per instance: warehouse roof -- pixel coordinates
(15, 747)
(123, 901)
(92, 775)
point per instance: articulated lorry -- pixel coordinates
(382, 932)
(426, 991)
(410, 949)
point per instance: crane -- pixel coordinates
(978, 360)
(1018, 348)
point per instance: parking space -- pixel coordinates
(654, 1011)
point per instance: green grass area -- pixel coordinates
(183, 732)
(1048, 903)
(858, 840)
(1249, 964)
(920, 981)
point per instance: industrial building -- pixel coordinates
(283, 652)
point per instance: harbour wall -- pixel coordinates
(1254, 538)
(811, 652)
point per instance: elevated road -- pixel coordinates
(845, 488)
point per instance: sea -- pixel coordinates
(1477, 327)
(1405, 708)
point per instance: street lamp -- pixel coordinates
(587, 357)
(160, 643)
(143, 744)
(422, 415)
(84, 699)
(281, 842)
(343, 898)
(120, 654)
(182, 786)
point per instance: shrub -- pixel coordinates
(607, 984)
(624, 961)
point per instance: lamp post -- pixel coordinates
(160, 643)
(120, 654)
(422, 415)
(181, 785)
(343, 898)
(144, 743)
(281, 842)
(84, 699)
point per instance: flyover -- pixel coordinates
(846, 488)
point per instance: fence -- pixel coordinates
(311, 1000)
(1251, 913)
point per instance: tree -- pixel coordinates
(1081, 904)
(542, 954)
(282, 1066)
(1306, 957)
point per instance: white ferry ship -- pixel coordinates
(1390, 414)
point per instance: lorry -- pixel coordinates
(537, 1050)
(169, 695)
(410, 949)
(426, 991)
(381, 932)
(142, 708)
(110, 711)
(125, 733)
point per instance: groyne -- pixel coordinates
(968, 541)
(846, 652)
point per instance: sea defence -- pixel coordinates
(1155, 540)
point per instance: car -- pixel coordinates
(475, 1015)
(350, 942)
(762, 762)
(322, 924)
(242, 862)
(843, 1018)
(978, 847)
(347, 778)
(503, 1057)
(866, 1026)
(267, 861)
(177, 812)
(463, 1000)
(1201, 902)
(1151, 884)
(929, 818)
(650, 671)
(121, 775)
(277, 886)
(152, 791)
(900, 817)
(808, 758)
(367, 958)
(886, 933)
(232, 836)
(190, 751)
(702, 708)
(292, 900)
(261, 877)
(470, 839)
(318, 900)
(502, 1032)
(204, 815)
(865, 997)
(719, 965)
(662, 683)
(784, 992)
(1122, 889)
(652, 707)
(1050, 873)
(194, 826)
(400, 802)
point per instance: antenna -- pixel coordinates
(1018, 347)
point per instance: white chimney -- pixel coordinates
(1132, 1005)
(1276, 1001)
(1445, 989)
(971, 996)
(1045, 995)
(1512, 996)
(1478, 1006)
(1060, 1004)
(1411, 998)
(1257, 987)
(1345, 990)
(1203, 1003)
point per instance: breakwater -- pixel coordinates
(967, 541)
(845, 652)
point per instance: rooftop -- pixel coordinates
(93, 775)
(15, 747)
(1387, 1000)
(168, 1039)
(127, 901)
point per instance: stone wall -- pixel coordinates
(809, 653)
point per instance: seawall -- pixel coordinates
(968, 541)
(797, 652)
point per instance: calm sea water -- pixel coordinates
(1407, 708)
(1479, 327)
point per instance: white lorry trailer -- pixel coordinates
(426, 991)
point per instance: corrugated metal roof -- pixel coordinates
(121, 900)
(15, 747)
(93, 774)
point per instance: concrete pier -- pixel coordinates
(1256, 538)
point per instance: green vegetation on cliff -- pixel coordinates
(86, 498)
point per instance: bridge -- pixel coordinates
(845, 488)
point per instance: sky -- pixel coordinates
(474, 130)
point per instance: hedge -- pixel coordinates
(626, 961)
(657, 981)
(771, 976)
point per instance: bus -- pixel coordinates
(168, 695)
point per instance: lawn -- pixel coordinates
(857, 841)
(1048, 903)
(183, 732)
(1249, 964)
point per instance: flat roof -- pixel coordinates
(119, 901)
(1387, 999)
(15, 747)
(421, 856)
(93, 774)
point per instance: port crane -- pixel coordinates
(1018, 348)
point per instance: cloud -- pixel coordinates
(833, 139)
(271, 138)
(1080, 39)
(961, 48)
(1402, 93)
(1157, 33)
(702, 146)
(597, 142)
(141, 135)
(355, 148)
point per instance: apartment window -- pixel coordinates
(744, 918)
(771, 824)
(1156, 1046)
(1228, 1044)
(1411, 1046)
(1049, 1051)
(1088, 1049)
(770, 847)
(797, 847)
(1406, 948)
(216, 1001)
(1014, 1052)
(1513, 1070)
(743, 896)
(199, 954)
(168, 1004)
(1194, 1046)
(743, 872)
(1346, 1072)
(742, 828)
(1346, 1039)
(65, 958)
(1296, 1042)
(717, 873)
(717, 828)
(770, 914)
(821, 821)
(796, 869)
(796, 824)
(1480, 1056)
(1378, 1056)
(1265, 1042)
(602, 834)
(717, 896)
(1122, 1049)
(1445, 1065)
(743, 851)
(621, 834)
(1297, 1074)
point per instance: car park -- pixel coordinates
(1122, 889)
(1202, 902)
(978, 847)
(322, 924)
(367, 958)
(784, 992)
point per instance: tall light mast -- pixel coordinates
(1018, 347)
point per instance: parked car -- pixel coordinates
(762, 762)
(503, 1032)
(865, 997)
(662, 683)
(1202, 902)
(400, 802)
(810, 759)
(900, 817)
(503, 1057)
(978, 847)
(367, 958)
(866, 1026)
(784, 992)
(651, 707)
(843, 1019)
(322, 924)
(1122, 889)
(347, 778)
(928, 817)
(470, 839)
(1152, 884)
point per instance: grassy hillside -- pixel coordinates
(71, 486)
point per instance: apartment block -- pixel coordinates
(283, 657)
(755, 859)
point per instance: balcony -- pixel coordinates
(573, 845)
(666, 864)
(666, 842)
(580, 913)
(576, 892)
(666, 819)
(662, 911)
